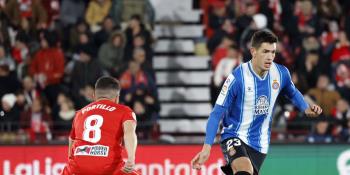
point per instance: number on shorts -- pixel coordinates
(232, 142)
(95, 129)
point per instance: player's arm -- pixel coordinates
(130, 141)
(297, 98)
(72, 137)
(225, 98)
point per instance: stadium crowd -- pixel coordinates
(53, 51)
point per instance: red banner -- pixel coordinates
(151, 160)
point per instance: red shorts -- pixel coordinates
(118, 171)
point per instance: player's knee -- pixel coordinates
(243, 165)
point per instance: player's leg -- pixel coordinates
(237, 158)
(257, 158)
(242, 166)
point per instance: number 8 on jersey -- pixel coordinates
(94, 128)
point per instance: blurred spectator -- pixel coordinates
(29, 91)
(37, 122)
(227, 29)
(140, 57)
(323, 96)
(122, 10)
(84, 97)
(223, 70)
(221, 51)
(96, 11)
(20, 51)
(86, 69)
(320, 133)
(71, 11)
(26, 32)
(47, 66)
(247, 10)
(140, 42)
(342, 79)
(134, 79)
(308, 23)
(342, 49)
(342, 114)
(63, 114)
(104, 34)
(136, 28)
(5, 59)
(33, 9)
(300, 82)
(9, 113)
(310, 67)
(80, 27)
(146, 108)
(111, 53)
(330, 35)
(8, 81)
(217, 15)
(4, 30)
(328, 10)
(85, 40)
(52, 8)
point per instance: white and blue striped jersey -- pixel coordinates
(245, 105)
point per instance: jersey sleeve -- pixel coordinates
(291, 92)
(129, 115)
(225, 99)
(228, 91)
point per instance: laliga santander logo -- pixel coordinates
(33, 168)
(169, 168)
(165, 168)
(342, 163)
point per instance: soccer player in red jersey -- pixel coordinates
(98, 129)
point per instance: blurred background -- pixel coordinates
(171, 58)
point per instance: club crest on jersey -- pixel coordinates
(92, 150)
(262, 105)
(275, 85)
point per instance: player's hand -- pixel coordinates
(129, 166)
(313, 111)
(201, 157)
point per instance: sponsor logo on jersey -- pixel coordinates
(92, 150)
(275, 85)
(262, 105)
(225, 89)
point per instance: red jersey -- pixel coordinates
(97, 132)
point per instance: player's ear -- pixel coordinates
(253, 51)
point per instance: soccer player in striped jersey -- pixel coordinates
(245, 105)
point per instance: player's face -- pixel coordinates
(264, 55)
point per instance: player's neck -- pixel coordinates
(104, 98)
(260, 72)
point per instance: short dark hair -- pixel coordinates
(107, 87)
(263, 36)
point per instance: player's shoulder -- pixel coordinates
(236, 73)
(123, 108)
(281, 68)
